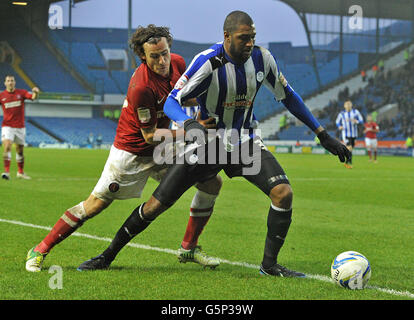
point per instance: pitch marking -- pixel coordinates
(171, 251)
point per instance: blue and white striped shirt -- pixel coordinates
(226, 90)
(344, 119)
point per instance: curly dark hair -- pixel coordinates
(151, 34)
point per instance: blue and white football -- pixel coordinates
(351, 270)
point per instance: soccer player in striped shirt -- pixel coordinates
(225, 79)
(347, 121)
(13, 127)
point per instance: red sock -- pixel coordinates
(7, 165)
(20, 165)
(369, 154)
(63, 228)
(375, 155)
(194, 228)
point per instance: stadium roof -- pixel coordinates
(383, 9)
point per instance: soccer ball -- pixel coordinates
(351, 270)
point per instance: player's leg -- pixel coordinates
(7, 146)
(136, 223)
(348, 162)
(20, 162)
(69, 222)
(273, 181)
(374, 149)
(7, 138)
(201, 210)
(176, 181)
(368, 147)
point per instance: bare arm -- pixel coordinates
(153, 135)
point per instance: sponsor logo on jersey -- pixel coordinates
(238, 104)
(13, 104)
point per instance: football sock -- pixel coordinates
(133, 225)
(194, 228)
(20, 163)
(369, 154)
(278, 222)
(375, 155)
(71, 220)
(200, 212)
(7, 160)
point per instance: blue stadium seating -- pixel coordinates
(38, 63)
(77, 130)
(34, 136)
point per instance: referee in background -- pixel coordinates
(347, 121)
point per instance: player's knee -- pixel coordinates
(7, 145)
(153, 208)
(211, 186)
(282, 196)
(92, 206)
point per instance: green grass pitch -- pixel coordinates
(367, 209)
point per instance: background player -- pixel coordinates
(13, 127)
(347, 121)
(130, 162)
(225, 79)
(371, 143)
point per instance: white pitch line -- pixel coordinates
(171, 251)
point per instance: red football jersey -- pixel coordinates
(143, 106)
(373, 126)
(13, 107)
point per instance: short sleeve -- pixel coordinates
(142, 100)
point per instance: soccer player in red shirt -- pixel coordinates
(371, 143)
(13, 128)
(130, 162)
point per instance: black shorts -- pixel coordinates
(180, 177)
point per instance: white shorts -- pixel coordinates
(125, 175)
(16, 135)
(371, 143)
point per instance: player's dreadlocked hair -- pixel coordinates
(151, 34)
(235, 19)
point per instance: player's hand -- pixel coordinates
(209, 123)
(35, 89)
(334, 146)
(195, 131)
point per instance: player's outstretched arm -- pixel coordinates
(294, 103)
